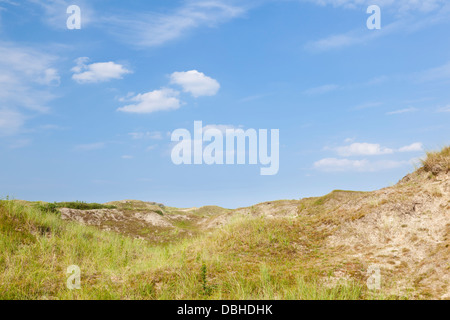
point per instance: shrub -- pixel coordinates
(79, 205)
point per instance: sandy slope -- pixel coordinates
(404, 229)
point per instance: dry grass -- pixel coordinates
(437, 161)
(314, 248)
(250, 258)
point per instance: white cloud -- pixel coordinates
(196, 83)
(354, 149)
(150, 29)
(415, 147)
(401, 111)
(97, 72)
(367, 149)
(344, 165)
(364, 165)
(374, 149)
(127, 157)
(157, 100)
(321, 90)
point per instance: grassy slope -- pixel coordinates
(251, 257)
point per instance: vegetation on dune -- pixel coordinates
(314, 248)
(79, 205)
(251, 258)
(437, 161)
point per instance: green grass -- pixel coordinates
(250, 258)
(79, 205)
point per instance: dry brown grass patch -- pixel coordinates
(437, 161)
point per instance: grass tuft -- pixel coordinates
(437, 161)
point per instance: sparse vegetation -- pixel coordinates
(313, 248)
(37, 247)
(437, 161)
(79, 205)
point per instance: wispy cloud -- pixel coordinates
(27, 77)
(444, 109)
(367, 105)
(54, 12)
(9, 2)
(434, 74)
(366, 149)
(337, 41)
(321, 89)
(254, 97)
(4, 4)
(11, 122)
(20, 143)
(372, 149)
(364, 165)
(412, 15)
(90, 146)
(400, 6)
(152, 135)
(24, 75)
(354, 37)
(151, 29)
(344, 165)
(402, 111)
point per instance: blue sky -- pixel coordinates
(87, 114)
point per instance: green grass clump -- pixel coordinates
(79, 205)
